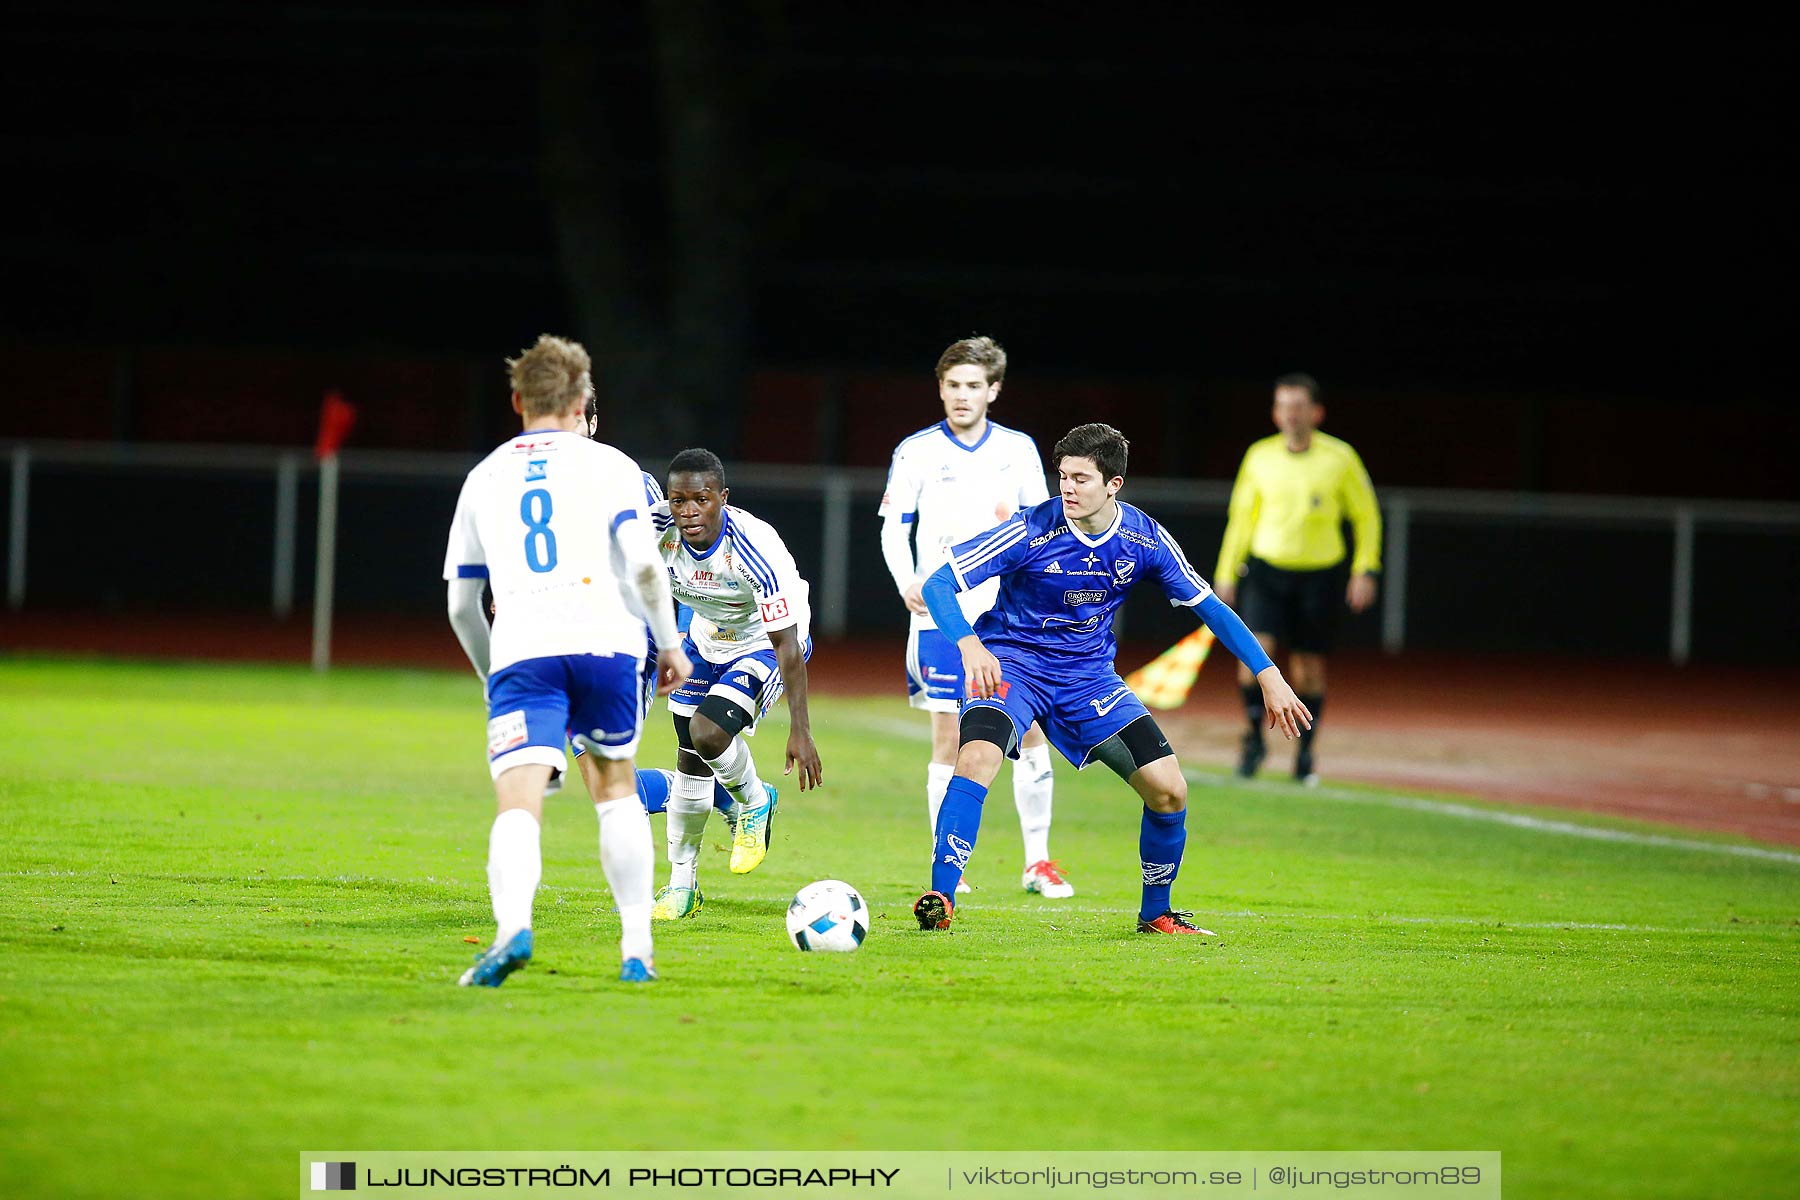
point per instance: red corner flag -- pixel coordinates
(335, 420)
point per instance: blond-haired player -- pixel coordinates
(557, 526)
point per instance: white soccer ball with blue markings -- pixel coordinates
(828, 915)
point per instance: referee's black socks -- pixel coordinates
(1254, 711)
(1315, 704)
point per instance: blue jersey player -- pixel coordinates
(1044, 653)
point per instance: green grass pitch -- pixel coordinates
(234, 903)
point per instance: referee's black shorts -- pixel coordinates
(1299, 609)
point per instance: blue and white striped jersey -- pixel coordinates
(739, 588)
(542, 519)
(947, 491)
(1059, 587)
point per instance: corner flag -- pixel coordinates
(1165, 680)
(336, 416)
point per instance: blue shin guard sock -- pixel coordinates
(1161, 839)
(722, 800)
(653, 789)
(959, 819)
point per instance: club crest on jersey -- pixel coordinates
(535, 468)
(1122, 569)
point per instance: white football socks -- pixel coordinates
(1032, 784)
(515, 866)
(628, 859)
(937, 782)
(737, 771)
(690, 804)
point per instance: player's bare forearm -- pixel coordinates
(801, 751)
(1286, 713)
(981, 670)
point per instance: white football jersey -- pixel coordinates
(741, 587)
(539, 518)
(949, 492)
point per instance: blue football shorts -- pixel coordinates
(751, 681)
(934, 672)
(536, 706)
(1077, 714)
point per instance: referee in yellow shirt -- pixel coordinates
(1285, 540)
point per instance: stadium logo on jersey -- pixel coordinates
(534, 469)
(1041, 538)
(1102, 707)
(1122, 569)
(1084, 597)
(1157, 874)
(1055, 568)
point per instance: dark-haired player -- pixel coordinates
(1044, 653)
(749, 643)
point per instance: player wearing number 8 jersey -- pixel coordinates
(749, 639)
(557, 526)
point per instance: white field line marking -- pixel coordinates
(918, 731)
(1370, 918)
(1521, 821)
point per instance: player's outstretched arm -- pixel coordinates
(1286, 713)
(981, 670)
(801, 751)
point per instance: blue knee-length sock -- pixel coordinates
(653, 786)
(1161, 839)
(959, 819)
(653, 789)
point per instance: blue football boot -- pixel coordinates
(499, 961)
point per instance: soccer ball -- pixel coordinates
(827, 915)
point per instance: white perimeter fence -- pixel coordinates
(838, 491)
